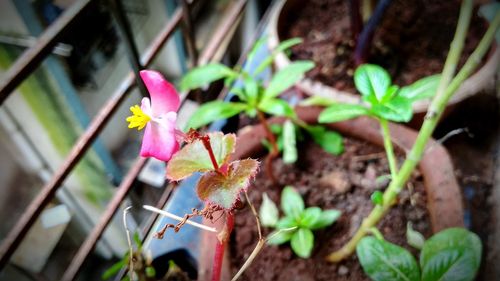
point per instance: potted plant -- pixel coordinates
(226, 177)
(402, 37)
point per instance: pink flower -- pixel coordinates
(158, 115)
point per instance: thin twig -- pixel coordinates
(129, 241)
(281, 231)
(448, 136)
(172, 216)
(259, 245)
(257, 219)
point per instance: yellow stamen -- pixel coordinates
(139, 119)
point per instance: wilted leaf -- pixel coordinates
(268, 212)
(414, 238)
(384, 261)
(194, 157)
(224, 190)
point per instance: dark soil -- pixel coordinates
(411, 41)
(342, 182)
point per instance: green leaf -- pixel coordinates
(286, 222)
(391, 92)
(331, 142)
(193, 157)
(398, 110)
(279, 237)
(377, 198)
(137, 239)
(150, 271)
(291, 202)
(452, 254)
(384, 261)
(302, 242)
(276, 107)
(224, 190)
(372, 80)
(251, 90)
(317, 101)
(268, 212)
(281, 47)
(289, 143)
(287, 44)
(340, 112)
(114, 269)
(201, 76)
(413, 237)
(212, 111)
(326, 218)
(309, 217)
(256, 47)
(421, 89)
(287, 77)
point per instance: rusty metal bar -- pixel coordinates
(221, 31)
(124, 29)
(188, 32)
(98, 230)
(16, 235)
(91, 241)
(33, 56)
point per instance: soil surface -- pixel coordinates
(411, 41)
(342, 182)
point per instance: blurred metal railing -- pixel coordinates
(31, 59)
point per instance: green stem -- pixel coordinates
(434, 113)
(389, 150)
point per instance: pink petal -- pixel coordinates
(164, 97)
(159, 138)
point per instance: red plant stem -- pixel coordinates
(208, 147)
(220, 247)
(274, 146)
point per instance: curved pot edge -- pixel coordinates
(479, 81)
(443, 193)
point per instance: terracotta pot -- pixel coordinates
(444, 200)
(482, 79)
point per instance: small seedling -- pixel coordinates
(450, 255)
(299, 222)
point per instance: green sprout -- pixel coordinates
(298, 223)
(452, 254)
(257, 98)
